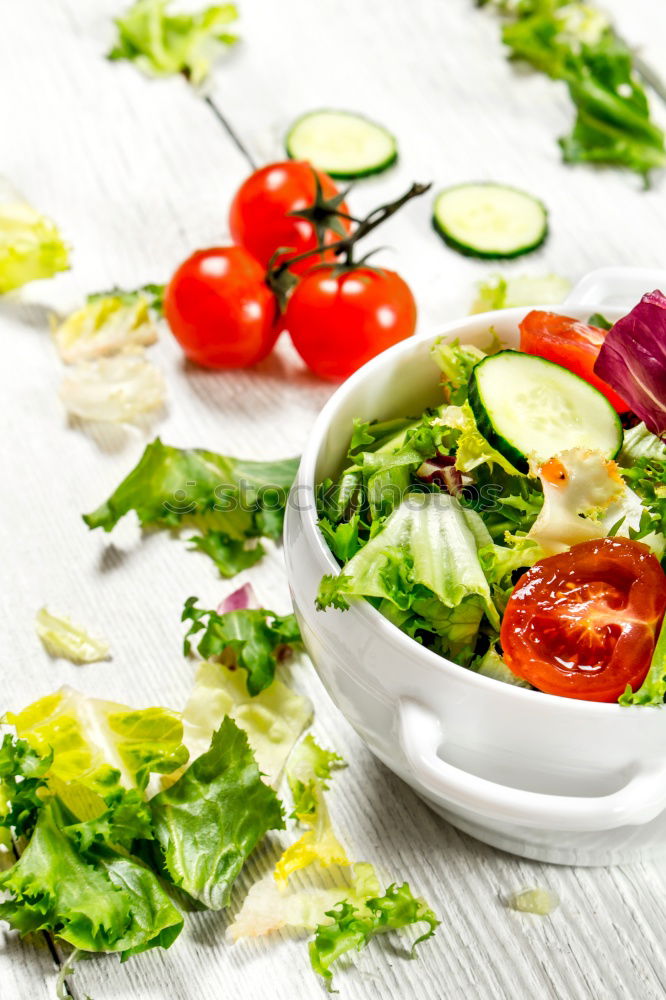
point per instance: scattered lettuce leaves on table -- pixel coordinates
(211, 819)
(119, 389)
(273, 719)
(161, 44)
(353, 927)
(238, 500)
(31, 247)
(99, 744)
(632, 360)
(268, 906)
(308, 774)
(109, 322)
(97, 900)
(572, 41)
(61, 637)
(251, 639)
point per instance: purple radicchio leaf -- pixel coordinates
(633, 360)
(441, 470)
(239, 600)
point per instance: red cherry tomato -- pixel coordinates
(259, 216)
(220, 309)
(584, 624)
(569, 343)
(339, 321)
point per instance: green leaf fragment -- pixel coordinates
(211, 819)
(352, 928)
(250, 639)
(230, 501)
(163, 44)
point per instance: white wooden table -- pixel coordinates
(138, 174)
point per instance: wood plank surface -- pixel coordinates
(138, 173)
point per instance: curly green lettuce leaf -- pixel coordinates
(22, 784)
(212, 818)
(646, 481)
(427, 548)
(456, 361)
(653, 689)
(251, 639)
(352, 928)
(498, 292)
(272, 720)
(473, 449)
(125, 819)
(61, 637)
(99, 744)
(96, 900)
(574, 42)
(162, 44)
(238, 501)
(31, 248)
(310, 766)
(108, 323)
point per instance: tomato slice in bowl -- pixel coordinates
(570, 343)
(584, 624)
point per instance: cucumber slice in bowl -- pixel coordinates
(489, 220)
(341, 143)
(531, 409)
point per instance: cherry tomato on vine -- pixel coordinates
(220, 309)
(338, 320)
(259, 217)
(584, 624)
(570, 343)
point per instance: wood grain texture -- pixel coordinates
(138, 173)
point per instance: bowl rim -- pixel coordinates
(361, 609)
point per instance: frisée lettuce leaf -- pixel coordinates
(352, 927)
(162, 44)
(239, 500)
(251, 639)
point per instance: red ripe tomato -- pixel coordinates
(259, 216)
(569, 343)
(584, 624)
(220, 309)
(338, 321)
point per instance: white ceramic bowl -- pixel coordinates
(545, 777)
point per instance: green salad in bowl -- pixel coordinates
(519, 528)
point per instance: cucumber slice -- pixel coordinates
(530, 408)
(489, 220)
(342, 143)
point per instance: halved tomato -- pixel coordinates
(570, 343)
(584, 624)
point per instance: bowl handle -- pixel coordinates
(641, 799)
(616, 286)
